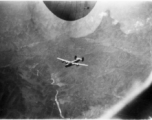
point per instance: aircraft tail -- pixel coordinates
(82, 59)
(75, 57)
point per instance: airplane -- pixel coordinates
(73, 62)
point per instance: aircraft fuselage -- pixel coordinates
(76, 61)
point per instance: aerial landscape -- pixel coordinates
(104, 53)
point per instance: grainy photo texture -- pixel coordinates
(75, 59)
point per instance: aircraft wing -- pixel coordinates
(63, 60)
(80, 64)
